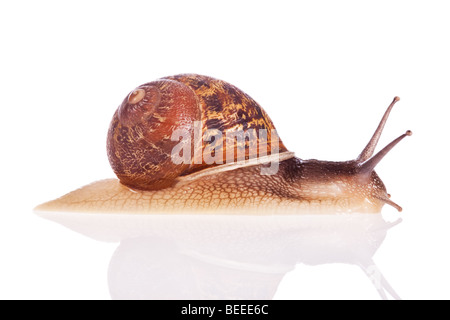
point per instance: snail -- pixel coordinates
(194, 144)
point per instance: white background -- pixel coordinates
(323, 70)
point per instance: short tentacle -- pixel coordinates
(391, 203)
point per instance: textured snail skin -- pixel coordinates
(299, 187)
(139, 148)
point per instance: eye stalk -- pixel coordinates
(370, 148)
(368, 166)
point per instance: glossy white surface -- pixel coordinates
(227, 257)
(323, 71)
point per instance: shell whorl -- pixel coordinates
(139, 139)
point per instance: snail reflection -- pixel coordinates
(227, 257)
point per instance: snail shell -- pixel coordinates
(140, 136)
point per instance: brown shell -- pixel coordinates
(139, 138)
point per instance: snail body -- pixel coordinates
(143, 146)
